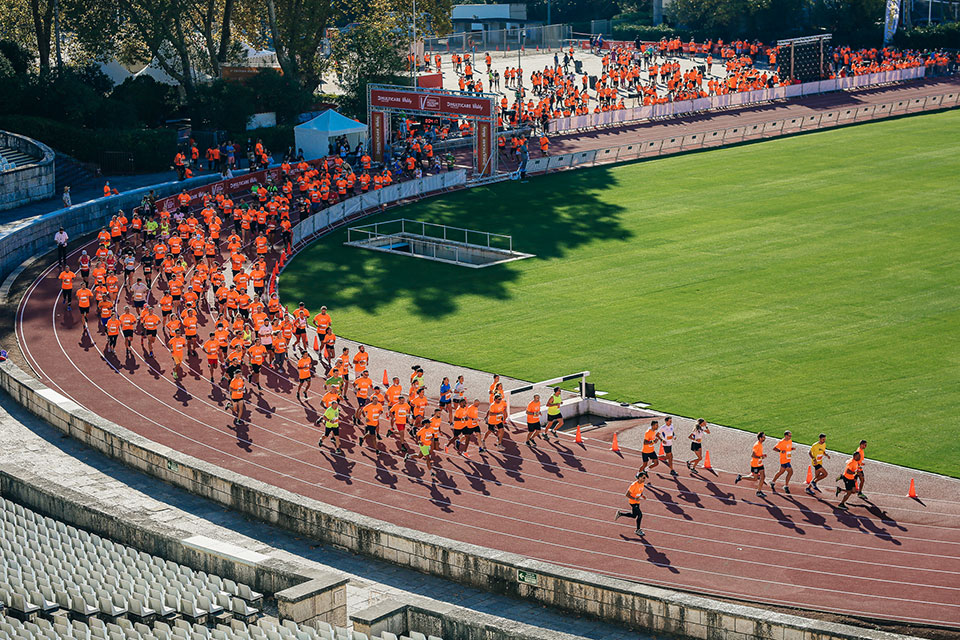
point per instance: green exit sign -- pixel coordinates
(526, 577)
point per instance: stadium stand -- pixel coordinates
(57, 581)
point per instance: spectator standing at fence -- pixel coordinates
(67, 200)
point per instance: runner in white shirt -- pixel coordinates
(266, 334)
(139, 291)
(666, 435)
(459, 390)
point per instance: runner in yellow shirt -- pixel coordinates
(817, 453)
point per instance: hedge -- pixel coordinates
(940, 36)
(152, 149)
(647, 32)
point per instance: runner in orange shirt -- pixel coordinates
(84, 300)
(237, 394)
(756, 465)
(360, 360)
(66, 285)
(496, 413)
(533, 421)
(399, 413)
(301, 315)
(634, 495)
(362, 386)
(849, 478)
(128, 323)
(305, 373)
(427, 436)
(418, 404)
(784, 448)
(113, 331)
(151, 324)
(322, 321)
(650, 438)
(177, 346)
(371, 418)
(257, 353)
(212, 348)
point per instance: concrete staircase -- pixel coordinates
(71, 172)
(11, 158)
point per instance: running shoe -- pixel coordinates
(810, 491)
(838, 492)
(843, 507)
(618, 516)
(761, 494)
(739, 478)
(773, 487)
(673, 472)
(640, 532)
(786, 488)
(861, 496)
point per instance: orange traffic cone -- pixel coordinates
(614, 446)
(706, 461)
(316, 343)
(661, 454)
(578, 439)
(386, 381)
(913, 489)
(809, 474)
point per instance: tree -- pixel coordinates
(297, 29)
(187, 38)
(372, 51)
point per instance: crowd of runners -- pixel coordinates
(198, 280)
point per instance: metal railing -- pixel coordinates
(441, 232)
(544, 37)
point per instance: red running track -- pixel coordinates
(555, 504)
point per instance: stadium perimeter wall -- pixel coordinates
(631, 604)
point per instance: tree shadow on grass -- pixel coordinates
(547, 217)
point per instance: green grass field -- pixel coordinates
(810, 283)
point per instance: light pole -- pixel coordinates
(413, 46)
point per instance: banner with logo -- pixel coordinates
(893, 19)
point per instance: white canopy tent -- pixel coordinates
(315, 136)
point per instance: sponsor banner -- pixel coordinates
(892, 20)
(485, 147)
(442, 104)
(378, 134)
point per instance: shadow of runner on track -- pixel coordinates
(726, 498)
(686, 494)
(814, 518)
(666, 499)
(541, 215)
(779, 516)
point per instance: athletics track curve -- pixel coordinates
(897, 561)
(703, 533)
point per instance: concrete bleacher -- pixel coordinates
(57, 581)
